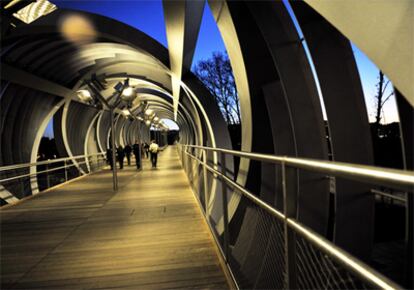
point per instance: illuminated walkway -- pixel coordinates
(150, 234)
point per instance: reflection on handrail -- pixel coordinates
(400, 179)
(353, 265)
(40, 172)
(66, 161)
(50, 161)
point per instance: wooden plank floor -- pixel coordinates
(149, 235)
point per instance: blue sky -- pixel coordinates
(148, 17)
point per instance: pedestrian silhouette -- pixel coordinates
(146, 149)
(136, 149)
(153, 149)
(121, 156)
(109, 157)
(128, 151)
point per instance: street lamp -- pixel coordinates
(84, 96)
(123, 92)
(149, 113)
(128, 94)
(126, 113)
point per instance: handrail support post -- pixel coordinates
(205, 183)
(225, 207)
(114, 171)
(47, 176)
(66, 171)
(289, 207)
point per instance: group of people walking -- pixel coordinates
(138, 150)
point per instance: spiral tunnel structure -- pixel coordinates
(43, 66)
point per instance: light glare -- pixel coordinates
(77, 29)
(84, 95)
(127, 92)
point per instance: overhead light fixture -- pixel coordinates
(84, 96)
(156, 119)
(140, 118)
(126, 112)
(128, 94)
(34, 11)
(149, 112)
(148, 122)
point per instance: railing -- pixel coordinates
(288, 254)
(27, 178)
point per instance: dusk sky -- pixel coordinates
(148, 17)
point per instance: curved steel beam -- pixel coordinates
(104, 28)
(35, 148)
(349, 129)
(182, 20)
(363, 23)
(228, 32)
(87, 139)
(26, 79)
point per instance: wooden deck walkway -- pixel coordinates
(149, 235)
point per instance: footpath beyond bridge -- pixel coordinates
(150, 234)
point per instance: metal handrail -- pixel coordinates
(400, 179)
(40, 172)
(358, 267)
(46, 162)
(240, 188)
(49, 161)
(354, 265)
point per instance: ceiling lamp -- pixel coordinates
(149, 112)
(84, 96)
(128, 93)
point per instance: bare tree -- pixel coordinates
(217, 75)
(380, 98)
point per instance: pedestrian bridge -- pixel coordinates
(157, 230)
(150, 234)
(291, 197)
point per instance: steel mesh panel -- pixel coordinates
(19, 187)
(258, 261)
(195, 177)
(316, 270)
(272, 275)
(22, 186)
(257, 252)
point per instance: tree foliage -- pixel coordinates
(216, 74)
(380, 97)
